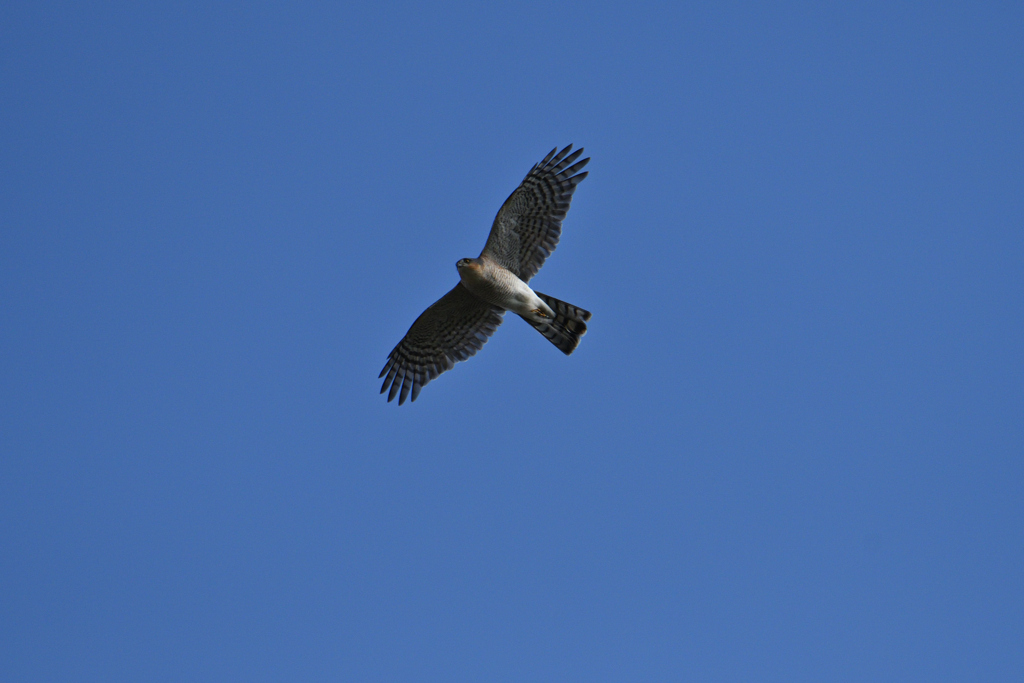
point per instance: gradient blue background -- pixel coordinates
(789, 449)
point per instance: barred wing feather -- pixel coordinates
(529, 223)
(452, 329)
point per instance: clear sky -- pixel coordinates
(788, 449)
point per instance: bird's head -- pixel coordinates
(467, 263)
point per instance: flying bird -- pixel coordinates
(524, 233)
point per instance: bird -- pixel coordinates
(524, 233)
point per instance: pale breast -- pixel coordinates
(498, 285)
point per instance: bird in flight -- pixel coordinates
(524, 233)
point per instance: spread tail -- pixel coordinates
(569, 325)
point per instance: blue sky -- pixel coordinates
(789, 448)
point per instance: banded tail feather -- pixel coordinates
(569, 325)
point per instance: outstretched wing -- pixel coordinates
(527, 228)
(454, 328)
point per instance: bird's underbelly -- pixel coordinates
(501, 288)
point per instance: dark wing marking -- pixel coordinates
(454, 328)
(527, 228)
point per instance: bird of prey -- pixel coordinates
(524, 233)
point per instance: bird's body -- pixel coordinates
(525, 232)
(498, 285)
